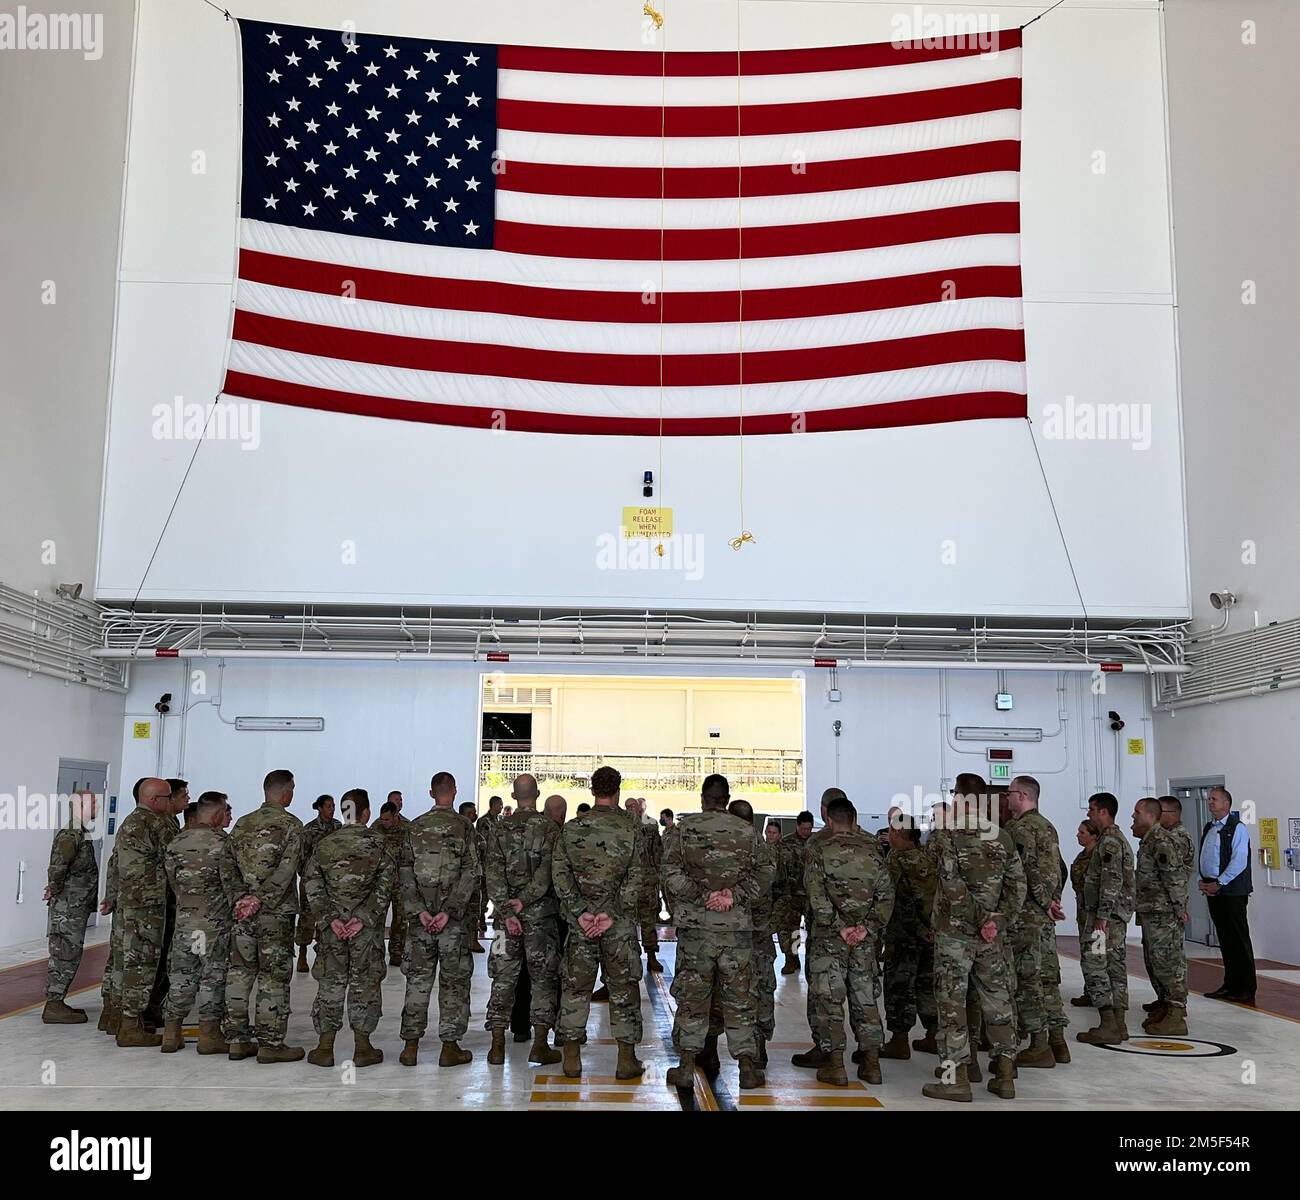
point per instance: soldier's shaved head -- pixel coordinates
(714, 793)
(524, 791)
(210, 810)
(155, 795)
(557, 808)
(742, 809)
(840, 812)
(278, 787)
(355, 805)
(442, 787)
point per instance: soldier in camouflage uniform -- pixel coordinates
(711, 867)
(201, 948)
(788, 898)
(440, 870)
(259, 873)
(110, 990)
(851, 897)
(527, 934)
(142, 906)
(1108, 899)
(1086, 836)
(71, 892)
(596, 871)
(763, 964)
(1160, 901)
(648, 907)
(394, 827)
(312, 832)
(909, 943)
(153, 1012)
(981, 880)
(1171, 820)
(482, 828)
(816, 1056)
(349, 880)
(1033, 937)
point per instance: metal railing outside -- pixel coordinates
(782, 772)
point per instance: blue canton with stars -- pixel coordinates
(366, 135)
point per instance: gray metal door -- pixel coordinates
(74, 775)
(1195, 796)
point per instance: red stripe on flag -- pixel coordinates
(776, 179)
(969, 406)
(637, 120)
(628, 370)
(682, 63)
(625, 308)
(762, 241)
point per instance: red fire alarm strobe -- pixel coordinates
(497, 656)
(826, 662)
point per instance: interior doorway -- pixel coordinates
(78, 774)
(1195, 796)
(664, 734)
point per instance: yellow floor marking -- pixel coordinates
(749, 1100)
(586, 1097)
(810, 1085)
(605, 1080)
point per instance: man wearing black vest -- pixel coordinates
(1224, 864)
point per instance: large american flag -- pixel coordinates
(629, 242)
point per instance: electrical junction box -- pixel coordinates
(833, 695)
(1003, 701)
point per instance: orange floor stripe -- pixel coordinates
(585, 1097)
(751, 1100)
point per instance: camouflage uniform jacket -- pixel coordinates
(1079, 871)
(74, 874)
(440, 866)
(1036, 843)
(351, 875)
(915, 882)
(1108, 885)
(1183, 840)
(761, 909)
(193, 866)
(706, 852)
(597, 867)
(788, 899)
(111, 884)
(141, 840)
(979, 878)
(848, 884)
(1160, 883)
(482, 830)
(262, 857)
(519, 864)
(652, 847)
(313, 831)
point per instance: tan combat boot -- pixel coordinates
(1001, 1085)
(750, 1075)
(453, 1056)
(280, 1053)
(572, 1057)
(114, 1020)
(1038, 1053)
(210, 1039)
(323, 1055)
(629, 1066)
(869, 1065)
(105, 1016)
(1059, 1046)
(1106, 1033)
(363, 1053)
(832, 1070)
(680, 1076)
(958, 1089)
(56, 1012)
(241, 1050)
(897, 1046)
(410, 1052)
(131, 1032)
(173, 1037)
(541, 1052)
(497, 1052)
(1172, 1022)
(303, 968)
(928, 1044)
(816, 1057)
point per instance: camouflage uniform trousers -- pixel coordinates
(66, 930)
(960, 962)
(537, 950)
(1105, 966)
(261, 955)
(785, 939)
(1038, 978)
(706, 959)
(197, 969)
(397, 925)
(161, 982)
(1166, 960)
(141, 953)
(909, 983)
(618, 957)
(763, 960)
(446, 957)
(841, 972)
(351, 971)
(111, 988)
(815, 1023)
(648, 915)
(305, 931)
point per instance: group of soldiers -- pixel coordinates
(959, 927)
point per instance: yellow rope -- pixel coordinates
(745, 535)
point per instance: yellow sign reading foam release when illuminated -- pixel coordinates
(1137, 745)
(641, 522)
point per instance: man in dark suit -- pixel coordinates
(1224, 864)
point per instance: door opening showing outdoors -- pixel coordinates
(663, 734)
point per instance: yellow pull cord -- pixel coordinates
(657, 18)
(737, 542)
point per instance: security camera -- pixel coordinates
(1222, 600)
(1116, 721)
(164, 703)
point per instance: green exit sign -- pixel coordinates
(1001, 770)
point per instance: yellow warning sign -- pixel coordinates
(1270, 847)
(140, 730)
(640, 522)
(1137, 745)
